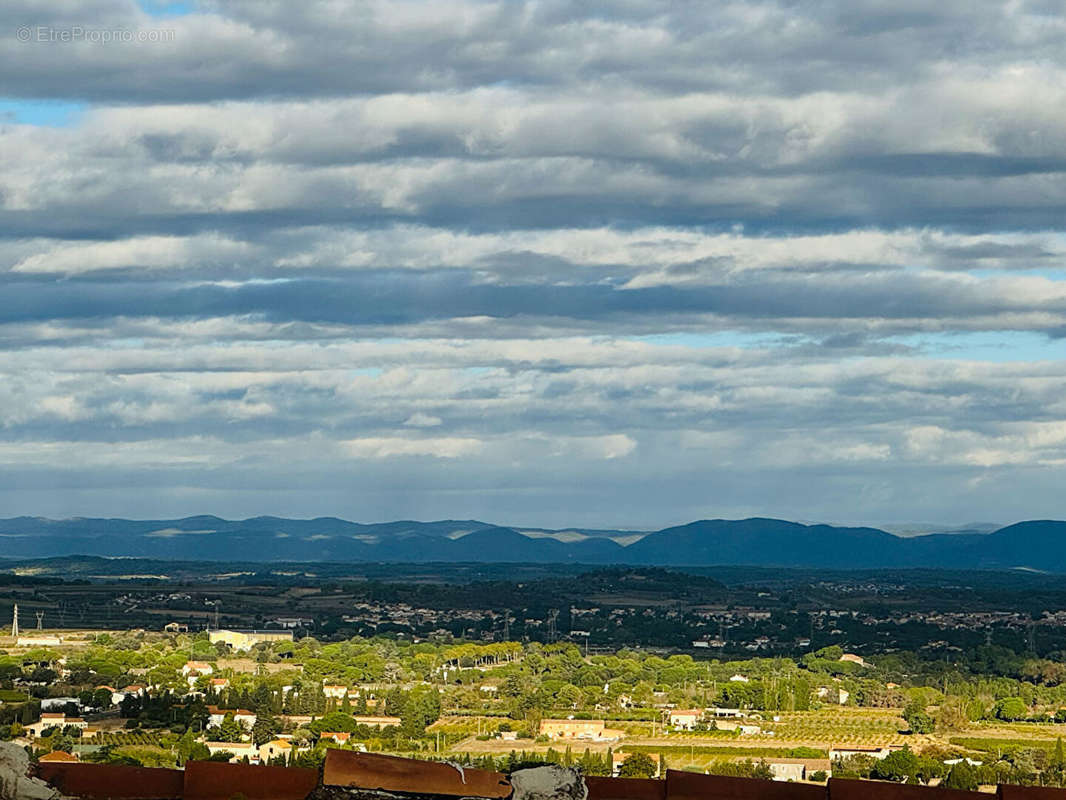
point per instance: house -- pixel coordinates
(175, 627)
(740, 678)
(51, 719)
(218, 684)
(218, 715)
(337, 736)
(836, 753)
(854, 659)
(685, 719)
(586, 729)
(293, 622)
(197, 668)
(240, 750)
(335, 691)
(275, 748)
(727, 712)
(788, 771)
(136, 690)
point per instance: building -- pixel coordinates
(728, 713)
(246, 640)
(293, 622)
(175, 627)
(240, 750)
(587, 729)
(335, 691)
(197, 668)
(854, 659)
(218, 715)
(335, 736)
(275, 748)
(685, 719)
(50, 719)
(788, 771)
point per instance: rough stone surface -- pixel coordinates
(548, 783)
(15, 783)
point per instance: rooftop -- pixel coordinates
(369, 776)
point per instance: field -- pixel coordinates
(805, 736)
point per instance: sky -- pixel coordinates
(541, 263)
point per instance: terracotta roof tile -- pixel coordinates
(373, 771)
(694, 786)
(58, 755)
(625, 788)
(850, 789)
(212, 780)
(105, 781)
(1012, 792)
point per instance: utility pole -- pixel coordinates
(15, 623)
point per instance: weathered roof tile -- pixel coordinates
(373, 771)
(100, 781)
(213, 780)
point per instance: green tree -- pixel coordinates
(898, 766)
(962, 776)
(917, 718)
(637, 765)
(1011, 709)
(230, 730)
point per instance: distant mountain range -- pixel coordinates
(1036, 545)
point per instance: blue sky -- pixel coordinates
(540, 264)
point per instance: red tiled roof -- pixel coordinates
(1009, 791)
(391, 774)
(625, 788)
(58, 755)
(106, 781)
(851, 789)
(693, 786)
(211, 780)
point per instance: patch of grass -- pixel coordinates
(740, 752)
(997, 745)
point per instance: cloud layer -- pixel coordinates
(535, 262)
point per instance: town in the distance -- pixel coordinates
(934, 677)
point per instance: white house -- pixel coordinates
(239, 750)
(218, 715)
(685, 719)
(275, 748)
(785, 771)
(50, 719)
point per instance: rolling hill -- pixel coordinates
(1038, 544)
